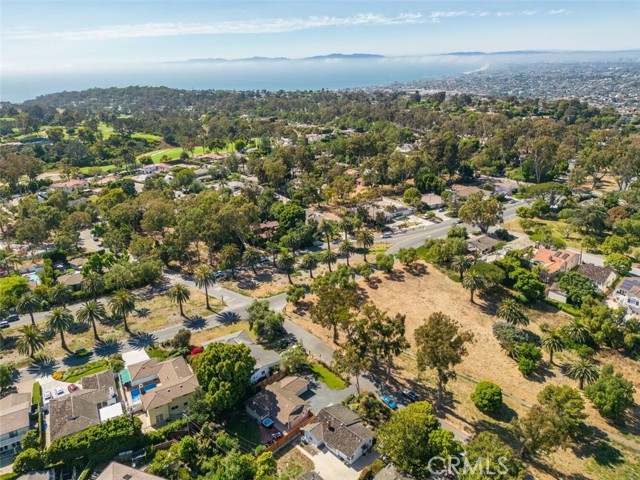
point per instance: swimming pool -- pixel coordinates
(33, 277)
(135, 393)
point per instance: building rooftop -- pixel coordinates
(117, 471)
(340, 428)
(276, 403)
(176, 380)
(14, 412)
(553, 260)
(70, 280)
(264, 358)
(594, 272)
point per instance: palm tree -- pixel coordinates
(252, 257)
(60, 294)
(576, 332)
(204, 277)
(309, 262)
(328, 258)
(584, 371)
(365, 240)
(347, 248)
(230, 256)
(461, 263)
(93, 284)
(31, 340)
(179, 294)
(328, 230)
(512, 312)
(28, 303)
(273, 249)
(472, 282)
(552, 343)
(292, 241)
(92, 312)
(121, 303)
(286, 263)
(346, 225)
(60, 319)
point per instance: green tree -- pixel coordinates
(441, 346)
(328, 258)
(487, 397)
(576, 332)
(309, 262)
(204, 277)
(30, 340)
(266, 323)
(584, 371)
(620, 263)
(614, 244)
(294, 359)
(511, 311)
(385, 262)
(347, 249)
(408, 257)
(252, 257)
(334, 304)
(566, 411)
(461, 263)
(28, 303)
(92, 283)
(552, 342)
(179, 294)
(327, 229)
(224, 373)
(229, 257)
(122, 303)
(287, 263)
(611, 394)
(347, 360)
(480, 212)
(90, 313)
(578, 287)
(60, 294)
(28, 460)
(412, 437)
(487, 449)
(365, 240)
(60, 320)
(295, 293)
(182, 338)
(6, 377)
(473, 281)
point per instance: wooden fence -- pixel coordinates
(291, 435)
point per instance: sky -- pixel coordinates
(54, 35)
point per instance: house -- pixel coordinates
(603, 277)
(341, 431)
(310, 476)
(628, 293)
(391, 473)
(555, 262)
(73, 281)
(557, 294)
(483, 244)
(464, 191)
(118, 471)
(266, 360)
(39, 475)
(268, 229)
(96, 402)
(14, 421)
(432, 200)
(391, 209)
(77, 263)
(155, 168)
(162, 389)
(70, 186)
(280, 403)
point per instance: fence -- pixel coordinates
(276, 377)
(291, 435)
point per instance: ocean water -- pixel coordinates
(244, 75)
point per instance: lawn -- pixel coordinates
(198, 338)
(90, 371)
(102, 168)
(556, 226)
(292, 462)
(326, 376)
(245, 429)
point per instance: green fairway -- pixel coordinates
(103, 168)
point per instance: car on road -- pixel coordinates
(73, 388)
(386, 235)
(410, 394)
(81, 352)
(47, 397)
(59, 391)
(13, 318)
(4, 324)
(389, 402)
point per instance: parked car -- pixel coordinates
(73, 388)
(81, 352)
(13, 318)
(389, 402)
(47, 397)
(275, 436)
(386, 235)
(59, 391)
(4, 324)
(410, 394)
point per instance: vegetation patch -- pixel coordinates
(326, 376)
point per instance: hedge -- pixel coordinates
(76, 373)
(573, 311)
(36, 394)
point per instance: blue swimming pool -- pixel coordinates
(135, 393)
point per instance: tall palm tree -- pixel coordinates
(461, 263)
(92, 312)
(252, 257)
(28, 303)
(576, 332)
(122, 303)
(31, 340)
(584, 371)
(286, 263)
(204, 277)
(328, 230)
(93, 284)
(230, 256)
(365, 240)
(472, 282)
(328, 258)
(347, 248)
(309, 262)
(292, 241)
(60, 294)
(179, 294)
(512, 312)
(346, 225)
(552, 342)
(61, 320)
(273, 249)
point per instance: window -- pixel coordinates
(186, 404)
(159, 418)
(175, 407)
(15, 433)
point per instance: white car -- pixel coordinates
(47, 397)
(59, 391)
(386, 235)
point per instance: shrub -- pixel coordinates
(36, 394)
(372, 411)
(182, 338)
(527, 366)
(28, 461)
(58, 375)
(31, 439)
(611, 394)
(509, 336)
(196, 350)
(370, 472)
(487, 397)
(169, 431)
(529, 357)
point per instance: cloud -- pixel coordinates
(559, 11)
(238, 27)
(528, 12)
(504, 14)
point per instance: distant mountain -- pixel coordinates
(331, 56)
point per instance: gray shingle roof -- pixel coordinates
(594, 272)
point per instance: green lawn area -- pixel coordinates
(555, 225)
(107, 131)
(103, 168)
(91, 371)
(239, 425)
(326, 376)
(614, 462)
(292, 463)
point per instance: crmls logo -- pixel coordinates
(457, 465)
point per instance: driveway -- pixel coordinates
(331, 467)
(320, 396)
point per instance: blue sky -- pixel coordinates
(48, 35)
